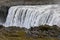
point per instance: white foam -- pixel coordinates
(30, 16)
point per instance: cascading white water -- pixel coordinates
(30, 16)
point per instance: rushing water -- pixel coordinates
(30, 16)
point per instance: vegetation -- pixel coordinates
(34, 33)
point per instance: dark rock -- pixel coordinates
(28, 2)
(3, 13)
(45, 31)
(1, 26)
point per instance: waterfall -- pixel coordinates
(30, 16)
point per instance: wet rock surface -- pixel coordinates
(45, 31)
(36, 33)
(3, 13)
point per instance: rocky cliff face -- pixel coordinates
(27, 2)
(3, 13)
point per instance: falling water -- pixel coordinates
(30, 16)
